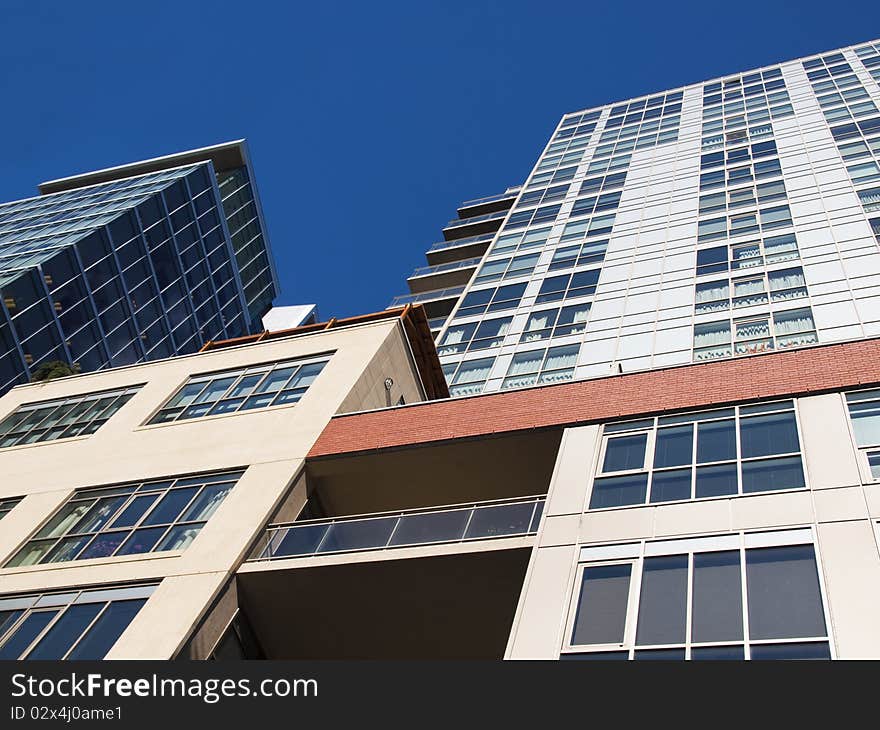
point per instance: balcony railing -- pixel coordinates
(509, 193)
(451, 266)
(450, 524)
(440, 245)
(426, 296)
(457, 222)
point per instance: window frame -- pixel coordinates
(653, 425)
(634, 554)
(264, 368)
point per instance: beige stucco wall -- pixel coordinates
(837, 503)
(271, 444)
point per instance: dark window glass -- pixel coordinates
(58, 640)
(667, 486)
(674, 446)
(767, 475)
(663, 601)
(783, 592)
(107, 629)
(716, 441)
(716, 613)
(619, 491)
(771, 434)
(716, 481)
(625, 452)
(601, 611)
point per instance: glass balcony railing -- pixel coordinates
(509, 193)
(451, 266)
(427, 296)
(440, 245)
(449, 524)
(456, 222)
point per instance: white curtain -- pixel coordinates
(788, 323)
(712, 335)
(473, 371)
(752, 330)
(561, 357)
(526, 362)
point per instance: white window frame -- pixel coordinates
(634, 554)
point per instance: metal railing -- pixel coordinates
(426, 296)
(407, 528)
(457, 222)
(451, 266)
(440, 245)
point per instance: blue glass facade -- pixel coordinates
(128, 270)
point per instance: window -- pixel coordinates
(7, 505)
(79, 415)
(244, 389)
(752, 335)
(740, 596)
(864, 415)
(136, 518)
(568, 286)
(78, 624)
(507, 268)
(468, 377)
(578, 230)
(474, 336)
(535, 216)
(569, 257)
(543, 367)
(521, 241)
(491, 300)
(726, 452)
(556, 323)
(784, 285)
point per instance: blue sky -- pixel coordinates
(368, 123)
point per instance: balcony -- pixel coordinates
(408, 528)
(404, 578)
(489, 204)
(464, 227)
(438, 302)
(444, 252)
(431, 278)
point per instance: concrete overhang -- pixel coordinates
(431, 602)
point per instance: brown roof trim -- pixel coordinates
(415, 326)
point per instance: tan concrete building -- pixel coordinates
(315, 494)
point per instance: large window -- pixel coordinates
(244, 389)
(864, 414)
(474, 336)
(79, 415)
(468, 377)
(741, 596)
(772, 249)
(725, 452)
(782, 285)
(142, 517)
(568, 286)
(507, 268)
(754, 335)
(550, 365)
(556, 323)
(491, 300)
(77, 624)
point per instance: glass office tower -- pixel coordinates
(136, 263)
(718, 220)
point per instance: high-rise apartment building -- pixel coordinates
(717, 220)
(133, 263)
(452, 261)
(665, 445)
